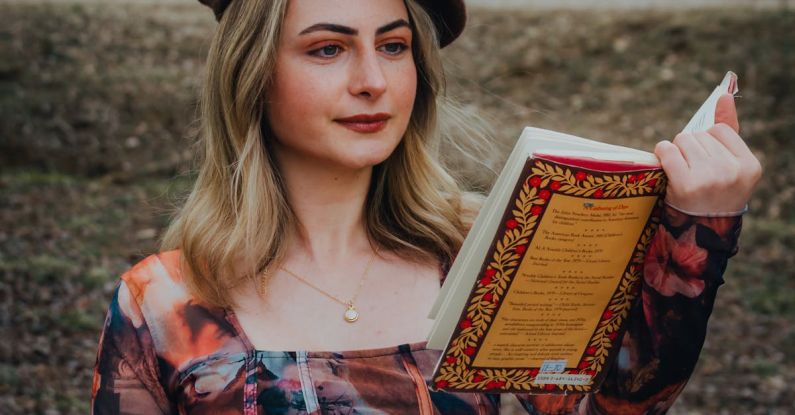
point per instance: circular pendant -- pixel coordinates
(351, 314)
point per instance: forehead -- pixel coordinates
(365, 15)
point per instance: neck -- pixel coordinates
(329, 203)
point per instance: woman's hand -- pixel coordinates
(710, 172)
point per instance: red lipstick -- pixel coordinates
(365, 123)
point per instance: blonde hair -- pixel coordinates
(232, 224)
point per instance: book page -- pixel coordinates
(705, 116)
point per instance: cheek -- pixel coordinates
(291, 100)
(408, 92)
(404, 91)
(301, 96)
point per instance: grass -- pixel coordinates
(98, 107)
(764, 276)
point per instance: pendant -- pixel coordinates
(351, 314)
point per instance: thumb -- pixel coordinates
(726, 112)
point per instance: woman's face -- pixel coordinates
(338, 60)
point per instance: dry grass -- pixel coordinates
(96, 103)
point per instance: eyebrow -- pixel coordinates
(392, 26)
(345, 30)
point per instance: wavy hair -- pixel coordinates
(232, 224)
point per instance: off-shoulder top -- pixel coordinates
(163, 351)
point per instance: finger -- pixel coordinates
(692, 150)
(672, 161)
(726, 112)
(749, 165)
(714, 148)
(731, 140)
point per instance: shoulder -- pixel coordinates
(152, 290)
(182, 328)
(156, 271)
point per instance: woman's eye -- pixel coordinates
(394, 48)
(327, 51)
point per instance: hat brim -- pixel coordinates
(449, 16)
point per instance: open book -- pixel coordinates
(538, 296)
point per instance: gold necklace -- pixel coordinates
(351, 314)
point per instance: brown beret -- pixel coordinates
(449, 16)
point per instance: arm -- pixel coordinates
(667, 325)
(125, 375)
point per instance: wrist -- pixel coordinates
(720, 214)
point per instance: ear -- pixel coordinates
(726, 112)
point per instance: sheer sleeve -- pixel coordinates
(126, 371)
(667, 325)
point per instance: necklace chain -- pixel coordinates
(351, 314)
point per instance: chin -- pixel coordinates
(368, 154)
(366, 160)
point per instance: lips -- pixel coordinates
(365, 123)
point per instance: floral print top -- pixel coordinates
(163, 351)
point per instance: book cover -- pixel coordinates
(560, 277)
(537, 298)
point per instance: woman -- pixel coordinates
(320, 197)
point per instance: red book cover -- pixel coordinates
(547, 311)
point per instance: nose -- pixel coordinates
(367, 78)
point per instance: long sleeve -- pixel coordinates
(667, 325)
(125, 374)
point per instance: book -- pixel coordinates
(537, 298)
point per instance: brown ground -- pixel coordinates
(96, 103)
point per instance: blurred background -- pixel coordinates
(97, 106)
